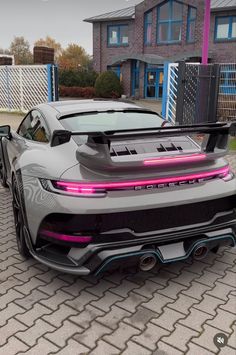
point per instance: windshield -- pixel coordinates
(106, 121)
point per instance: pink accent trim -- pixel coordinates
(116, 185)
(175, 159)
(65, 237)
(206, 32)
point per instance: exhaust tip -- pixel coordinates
(200, 252)
(147, 262)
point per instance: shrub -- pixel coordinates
(108, 85)
(72, 77)
(75, 91)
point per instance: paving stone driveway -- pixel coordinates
(173, 310)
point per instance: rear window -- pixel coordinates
(106, 121)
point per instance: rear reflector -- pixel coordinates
(175, 160)
(65, 237)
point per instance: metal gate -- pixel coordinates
(170, 91)
(197, 93)
(198, 87)
(24, 86)
(226, 108)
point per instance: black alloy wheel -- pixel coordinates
(19, 221)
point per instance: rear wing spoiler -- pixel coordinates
(96, 151)
(216, 132)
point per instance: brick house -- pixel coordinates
(136, 42)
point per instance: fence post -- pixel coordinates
(214, 92)
(55, 83)
(165, 89)
(49, 75)
(180, 92)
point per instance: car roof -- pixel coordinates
(69, 107)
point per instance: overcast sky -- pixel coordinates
(60, 19)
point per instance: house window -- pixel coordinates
(191, 24)
(169, 22)
(148, 28)
(225, 28)
(118, 35)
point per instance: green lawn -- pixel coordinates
(232, 144)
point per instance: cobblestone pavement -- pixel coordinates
(173, 310)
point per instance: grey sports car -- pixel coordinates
(97, 184)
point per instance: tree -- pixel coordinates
(51, 43)
(20, 48)
(74, 57)
(4, 51)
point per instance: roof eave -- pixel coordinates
(220, 9)
(91, 20)
(132, 17)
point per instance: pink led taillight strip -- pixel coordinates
(175, 160)
(81, 190)
(65, 237)
(93, 188)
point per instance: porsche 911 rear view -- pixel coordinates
(107, 184)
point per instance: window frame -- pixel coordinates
(170, 22)
(43, 122)
(119, 44)
(229, 38)
(146, 23)
(135, 76)
(22, 122)
(189, 22)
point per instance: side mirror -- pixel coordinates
(60, 137)
(5, 131)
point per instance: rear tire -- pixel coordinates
(19, 221)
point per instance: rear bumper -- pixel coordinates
(126, 225)
(165, 253)
(138, 211)
(97, 258)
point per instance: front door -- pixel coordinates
(154, 83)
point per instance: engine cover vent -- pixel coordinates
(142, 148)
(118, 151)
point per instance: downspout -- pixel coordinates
(206, 32)
(100, 44)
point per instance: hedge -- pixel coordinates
(86, 93)
(72, 78)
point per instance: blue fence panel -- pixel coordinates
(228, 79)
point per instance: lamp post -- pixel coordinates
(206, 30)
